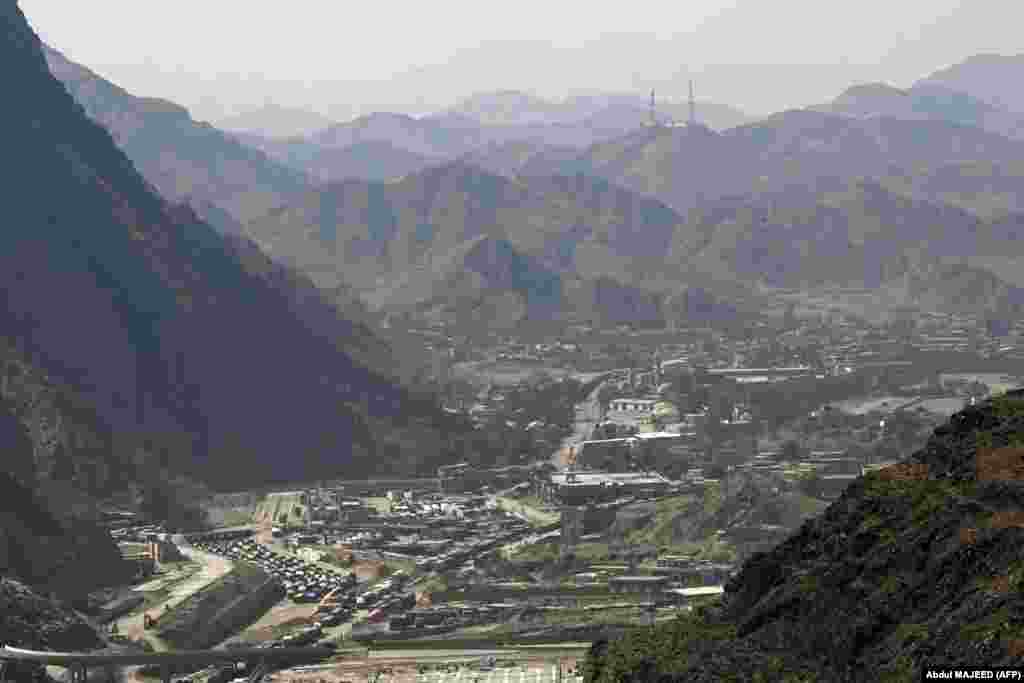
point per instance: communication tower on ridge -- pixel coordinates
(693, 106)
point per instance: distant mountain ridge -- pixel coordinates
(926, 101)
(685, 166)
(186, 160)
(602, 110)
(988, 77)
(276, 121)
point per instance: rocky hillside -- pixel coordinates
(685, 167)
(917, 564)
(175, 338)
(572, 245)
(845, 233)
(30, 621)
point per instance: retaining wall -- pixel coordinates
(238, 614)
(200, 620)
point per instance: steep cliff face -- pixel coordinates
(154, 321)
(59, 462)
(918, 564)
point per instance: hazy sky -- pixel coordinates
(217, 57)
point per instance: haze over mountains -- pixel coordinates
(988, 77)
(274, 121)
(183, 342)
(933, 145)
(182, 158)
(188, 309)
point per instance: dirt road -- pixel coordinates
(211, 568)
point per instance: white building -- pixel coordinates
(632, 406)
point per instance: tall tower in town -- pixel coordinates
(653, 118)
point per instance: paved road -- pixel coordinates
(587, 416)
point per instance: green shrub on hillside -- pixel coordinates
(911, 632)
(1008, 406)
(666, 648)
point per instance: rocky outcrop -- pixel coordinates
(30, 621)
(916, 564)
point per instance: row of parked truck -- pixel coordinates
(303, 581)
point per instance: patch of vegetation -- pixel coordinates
(983, 439)
(1008, 406)
(891, 584)
(434, 584)
(592, 551)
(668, 648)
(887, 536)
(713, 499)
(1016, 575)
(926, 496)
(872, 521)
(810, 506)
(809, 583)
(900, 670)
(991, 626)
(660, 531)
(906, 632)
(538, 552)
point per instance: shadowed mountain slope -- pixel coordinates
(153, 318)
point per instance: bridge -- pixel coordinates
(80, 662)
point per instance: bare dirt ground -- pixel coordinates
(285, 612)
(452, 668)
(212, 568)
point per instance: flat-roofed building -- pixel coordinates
(650, 587)
(632, 406)
(686, 595)
(612, 455)
(583, 487)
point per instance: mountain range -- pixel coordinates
(184, 159)
(609, 110)
(926, 100)
(274, 121)
(451, 235)
(988, 77)
(186, 344)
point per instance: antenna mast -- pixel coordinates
(693, 106)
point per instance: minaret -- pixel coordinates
(693, 106)
(654, 121)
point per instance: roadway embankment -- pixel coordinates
(227, 605)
